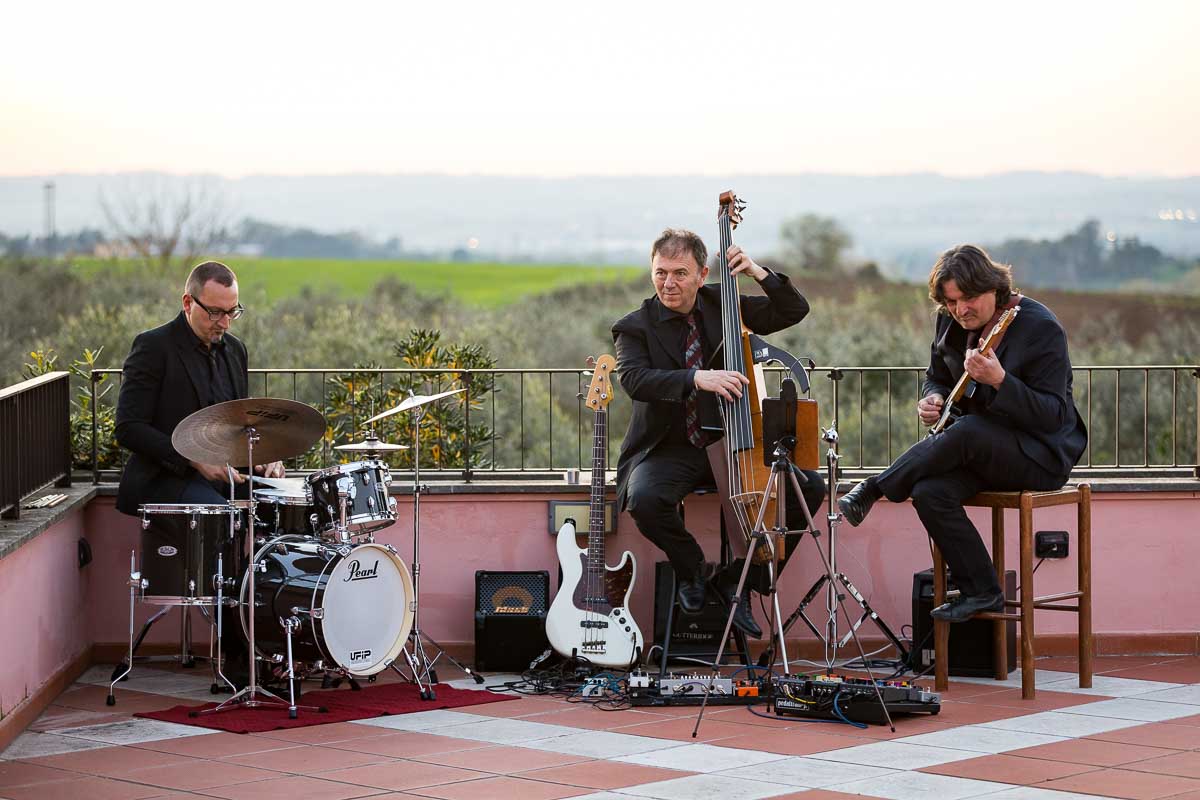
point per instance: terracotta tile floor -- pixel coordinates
(81, 748)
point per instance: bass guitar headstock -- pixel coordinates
(599, 393)
(730, 206)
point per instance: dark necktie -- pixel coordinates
(693, 357)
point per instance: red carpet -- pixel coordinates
(343, 705)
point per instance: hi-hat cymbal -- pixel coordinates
(369, 445)
(217, 434)
(413, 402)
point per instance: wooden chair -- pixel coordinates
(1025, 502)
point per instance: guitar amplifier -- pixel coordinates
(693, 635)
(971, 644)
(510, 619)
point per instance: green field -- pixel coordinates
(486, 285)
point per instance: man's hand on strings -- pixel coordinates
(984, 368)
(739, 262)
(929, 409)
(725, 382)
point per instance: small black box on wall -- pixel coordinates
(510, 619)
(971, 642)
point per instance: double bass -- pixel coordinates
(741, 459)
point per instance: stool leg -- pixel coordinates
(941, 628)
(1028, 687)
(1085, 586)
(1000, 626)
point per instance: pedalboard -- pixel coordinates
(853, 699)
(690, 690)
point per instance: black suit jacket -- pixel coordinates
(651, 367)
(1035, 399)
(165, 379)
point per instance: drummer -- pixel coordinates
(190, 363)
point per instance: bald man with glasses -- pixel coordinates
(188, 364)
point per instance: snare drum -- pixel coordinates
(180, 546)
(354, 606)
(362, 487)
(284, 511)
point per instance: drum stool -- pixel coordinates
(1025, 502)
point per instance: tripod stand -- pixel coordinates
(835, 582)
(421, 667)
(782, 466)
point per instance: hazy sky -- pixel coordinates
(562, 88)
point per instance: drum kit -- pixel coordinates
(315, 595)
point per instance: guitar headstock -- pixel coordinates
(599, 393)
(1001, 326)
(730, 206)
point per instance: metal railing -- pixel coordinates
(1141, 419)
(35, 438)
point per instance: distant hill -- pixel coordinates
(899, 221)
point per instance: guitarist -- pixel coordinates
(661, 362)
(1020, 429)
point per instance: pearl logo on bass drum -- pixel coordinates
(166, 551)
(357, 573)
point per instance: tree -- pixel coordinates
(166, 225)
(813, 243)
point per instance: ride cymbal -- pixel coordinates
(217, 434)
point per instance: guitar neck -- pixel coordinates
(596, 506)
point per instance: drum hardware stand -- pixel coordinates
(782, 466)
(831, 580)
(418, 661)
(247, 696)
(136, 584)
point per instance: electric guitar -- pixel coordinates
(590, 617)
(966, 384)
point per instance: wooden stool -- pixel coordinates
(1081, 496)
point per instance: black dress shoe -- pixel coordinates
(743, 618)
(964, 607)
(690, 593)
(855, 503)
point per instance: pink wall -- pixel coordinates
(1145, 548)
(42, 594)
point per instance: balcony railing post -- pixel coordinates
(1196, 375)
(95, 440)
(64, 400)
(18, 464)
(466, 379)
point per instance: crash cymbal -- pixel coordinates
(369, 445)
(413, 402)
(217, 434)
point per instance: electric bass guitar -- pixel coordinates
(590, 617)
(966, 384)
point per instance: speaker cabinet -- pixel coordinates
(695, 635)
(971, 643)
(510, 619)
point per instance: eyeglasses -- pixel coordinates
(214, 314)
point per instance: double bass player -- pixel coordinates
(664, 359)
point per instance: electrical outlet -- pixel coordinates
(1051, 544)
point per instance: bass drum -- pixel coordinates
(362, 602)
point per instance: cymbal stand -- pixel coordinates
(832, 580)
(780, 468)
(248, 696)
(422, 668)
